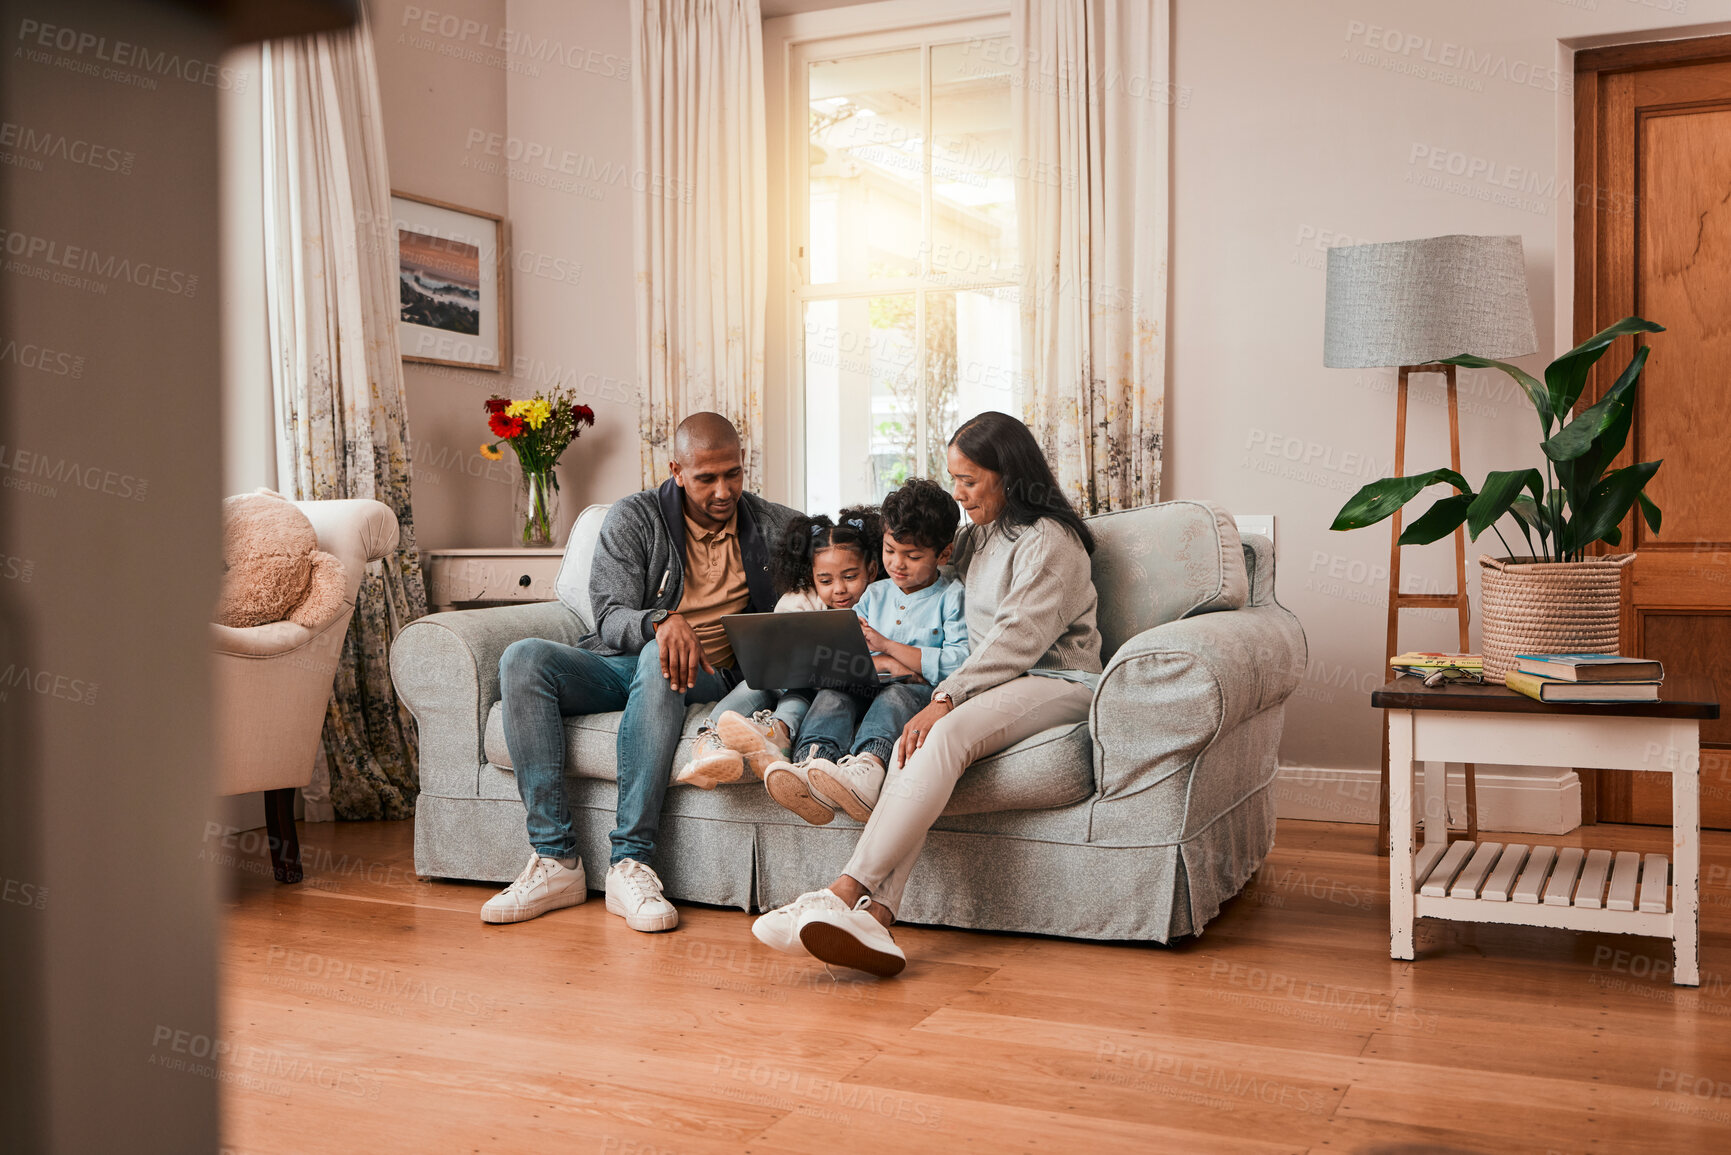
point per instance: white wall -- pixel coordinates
(470, 89)
(1299, 125)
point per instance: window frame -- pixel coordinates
(791, 43)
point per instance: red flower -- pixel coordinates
(505, 427)
(583, 414)
(497, 404)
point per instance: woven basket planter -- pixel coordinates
(1549, 607)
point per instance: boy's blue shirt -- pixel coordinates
(931, 619)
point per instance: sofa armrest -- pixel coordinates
(1171, 691)
(446, 670)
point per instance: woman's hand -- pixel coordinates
(918, 729)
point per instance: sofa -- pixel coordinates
(273, 682)
(1136, 824)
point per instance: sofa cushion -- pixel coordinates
(1164, 562)
(1052, 768)
(571, 585)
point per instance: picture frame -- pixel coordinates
(453, 291)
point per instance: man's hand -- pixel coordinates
(681, 653)
(918, 729)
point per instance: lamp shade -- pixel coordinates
(1407, 302)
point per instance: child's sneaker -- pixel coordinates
(712, 762)
(854, 782)
(790, 785)
(760, 739)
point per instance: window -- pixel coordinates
(907, 319)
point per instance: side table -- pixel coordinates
(1483, 881)
(475, 578)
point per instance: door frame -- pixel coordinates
(1587, 163)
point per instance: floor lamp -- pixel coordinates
(1402, 304)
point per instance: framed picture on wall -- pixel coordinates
(451, 284)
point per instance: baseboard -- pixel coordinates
(1517, 799)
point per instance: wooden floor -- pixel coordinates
(365, 1011)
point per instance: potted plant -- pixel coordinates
(1557, 598)
(538, 429)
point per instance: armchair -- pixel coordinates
(273, 682)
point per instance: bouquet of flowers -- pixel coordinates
(538, 429)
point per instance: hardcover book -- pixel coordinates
(1556, 690)
(1590, 667)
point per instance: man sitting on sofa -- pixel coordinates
(669, 563)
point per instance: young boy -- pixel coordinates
(914, 624)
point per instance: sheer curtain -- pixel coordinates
(337, 380)
(701, 219)
(1092, 109)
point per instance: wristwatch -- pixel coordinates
(944, 697)
(653, 619)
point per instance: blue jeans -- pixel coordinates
(835, 726)
(788, 706)
(541, 682)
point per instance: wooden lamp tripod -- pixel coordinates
(1404, 304)
(1398, 601)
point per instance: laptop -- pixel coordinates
(819, 650)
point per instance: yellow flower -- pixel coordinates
(490, 452)
(535, 411)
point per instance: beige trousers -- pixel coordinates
(916, 793)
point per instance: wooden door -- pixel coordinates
(1653, 238)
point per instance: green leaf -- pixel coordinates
(1610, 502)
(1649, 511)
(1567, 375)
(1535, 389)
(1499, 492)
(1439, 520)
(1580, 435)
(1379, 499)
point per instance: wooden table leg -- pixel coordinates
(1382, 796)
(1686, 868)
(1400, 881)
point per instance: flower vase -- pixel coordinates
(536, 507)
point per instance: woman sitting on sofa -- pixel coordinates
(1033, 664)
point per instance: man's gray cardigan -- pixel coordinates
(639, 563)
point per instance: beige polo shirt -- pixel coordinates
(714, 585)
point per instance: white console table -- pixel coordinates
(461, 579)
(1571, 887)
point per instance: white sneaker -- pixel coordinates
(854, 782)
(757, 738)
(545, 884)
(712, 762)
(634, 894)
(779, 928)
(850, 938)
(790, 785)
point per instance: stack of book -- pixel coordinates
(1586, 678)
